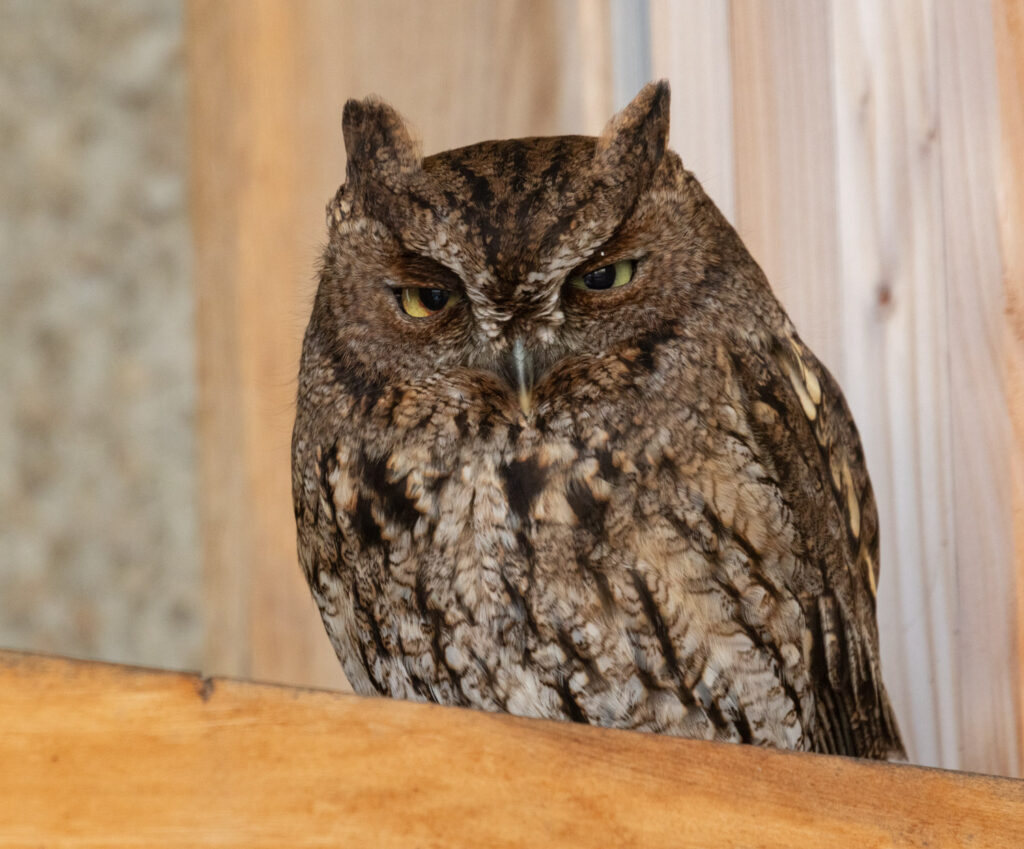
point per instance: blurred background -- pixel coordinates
(164, 167)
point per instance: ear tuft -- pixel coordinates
(636, 137)
(377, 140)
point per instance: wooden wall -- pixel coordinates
(869, 153)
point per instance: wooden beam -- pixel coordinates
(100, 755)
(268, 81)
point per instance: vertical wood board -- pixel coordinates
(222, 474)
(690, 46)
(1009, 41)
(895, 340)
(969, 129)
(246, 65)
(785, 163)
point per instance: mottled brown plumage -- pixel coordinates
(642, 506)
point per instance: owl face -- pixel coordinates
(505, 264)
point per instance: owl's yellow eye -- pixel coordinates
(609, 277)
(419, 302)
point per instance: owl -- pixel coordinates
(559, 452)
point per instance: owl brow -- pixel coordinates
(617, 247)
(422, 269)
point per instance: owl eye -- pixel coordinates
(609, 277)
(419, 302)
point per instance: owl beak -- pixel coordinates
(522, 367)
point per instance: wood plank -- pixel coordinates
(690, 47)
(222, 484)
(116, 756)
(253, 267)
(268, 83)
(535, 68)
(785, 161)
(895, 339)
(969, 122)
(1009, 44)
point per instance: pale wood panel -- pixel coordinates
(115, 756)
(1009, 42)
(1009, 37)
(268, 82)
(785, 169)
(690, 47)
(969, 120)
(895, 339)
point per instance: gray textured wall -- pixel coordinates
(98, 543)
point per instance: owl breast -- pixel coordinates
(587, 561)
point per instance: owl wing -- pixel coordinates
(808, 440)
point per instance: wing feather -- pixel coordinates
(805, 431)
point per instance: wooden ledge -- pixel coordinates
(100, 755)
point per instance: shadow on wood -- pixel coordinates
(101, 755)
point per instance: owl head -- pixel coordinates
(510, 262)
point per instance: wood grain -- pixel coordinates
(785, 161)
(268, 81)
(253, 266)
(986, 614)
(1009, 49)
(690, 47)
(116, 756)
(895, 340)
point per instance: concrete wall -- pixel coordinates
(99, 554)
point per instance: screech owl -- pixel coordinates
(560, 452)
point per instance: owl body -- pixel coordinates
(604, 481)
